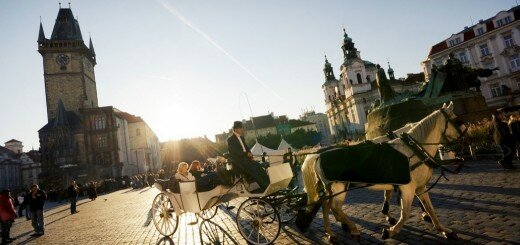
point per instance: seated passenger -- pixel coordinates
(183, 174)
(204, 181)
(242, 158)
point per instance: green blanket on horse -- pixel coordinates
(366, 163)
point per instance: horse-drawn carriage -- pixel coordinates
(408, 159)
(258, 218)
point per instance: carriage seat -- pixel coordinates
(172, 184)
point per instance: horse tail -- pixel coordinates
(310, 179)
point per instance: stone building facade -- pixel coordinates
(322, 125)
(349, 98)
(81, 140)
(491, 43)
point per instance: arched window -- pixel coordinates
(359, 81)
(368, 79)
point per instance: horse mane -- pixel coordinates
(424, 127)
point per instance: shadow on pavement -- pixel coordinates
(165, 240)
(148, 218)
(478, 188)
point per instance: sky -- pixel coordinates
(188, 68)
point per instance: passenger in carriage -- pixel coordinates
(205, 180)
(183, 174)
(242, 158)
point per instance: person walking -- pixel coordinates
(26, 201)
(37, 199)
(502, 136)
(7, 215)
(21, 205)
(72, 192)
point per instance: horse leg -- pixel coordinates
(337, 203)
(326, 222)
(426, 201)
(425, 216)
(407, 195)
(386, 207)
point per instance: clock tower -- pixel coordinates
(68, 66)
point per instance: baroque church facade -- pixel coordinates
(349, 98)
(81, 140)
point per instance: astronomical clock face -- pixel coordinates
(62, 59)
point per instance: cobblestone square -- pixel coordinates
(482, 204)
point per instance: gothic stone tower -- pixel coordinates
(68, 66)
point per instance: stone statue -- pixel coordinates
(383, 84)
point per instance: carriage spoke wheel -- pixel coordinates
(208, 213)
(163, 215)
(211, 233)
(286, 212)
(258, 221)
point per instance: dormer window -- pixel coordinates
(480, 31)
(504, 21)
(455, 41)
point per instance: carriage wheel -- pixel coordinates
(208, 213)
(258, 221)
(286, 212)
(211, 233)
(163, 215)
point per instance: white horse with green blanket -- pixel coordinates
(438, 127)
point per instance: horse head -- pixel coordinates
(454, 129)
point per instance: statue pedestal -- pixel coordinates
(470, 107)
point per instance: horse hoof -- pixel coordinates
(385, 208)
(450, 236)
(392, 221)
(356, 238)
(386, 234)
(345, 228)
(426, 218)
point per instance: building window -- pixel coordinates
(484, 50)
(463, 58)
(480, 31)
(514, 61)
(368, 79)
(455, 41)
(495, 89)
(504, 21)
(138, 132)
(359, 81)
(508, 40)
(102, 141)
(99, 122)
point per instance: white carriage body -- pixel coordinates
(189, 200)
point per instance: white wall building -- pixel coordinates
(322, 125)
(15, 146)
(488, 44)
(349, 99)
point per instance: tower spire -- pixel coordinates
(41, 35)
(390, 71)
(91, 47)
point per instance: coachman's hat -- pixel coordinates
(237, 124)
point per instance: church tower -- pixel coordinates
(68, 66)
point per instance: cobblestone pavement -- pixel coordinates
(482, 204)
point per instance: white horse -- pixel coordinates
(437, 127)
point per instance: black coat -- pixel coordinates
(72, 192)
(36, 202)
(500, 132)
(236, 152)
